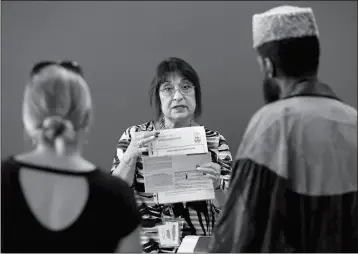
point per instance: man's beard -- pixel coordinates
(271, 90)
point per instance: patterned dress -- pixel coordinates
(197, 217)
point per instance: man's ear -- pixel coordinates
(269, 67)
(266, 66)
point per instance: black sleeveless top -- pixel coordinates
(109, 215)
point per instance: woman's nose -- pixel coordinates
(177, 94)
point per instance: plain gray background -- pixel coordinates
(119, 45)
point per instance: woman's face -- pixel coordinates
(177, 96)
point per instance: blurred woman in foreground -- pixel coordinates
(52, 199)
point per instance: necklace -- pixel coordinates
(162, 123)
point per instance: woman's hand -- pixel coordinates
(213, 171)
(139, 144)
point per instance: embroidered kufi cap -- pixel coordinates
(283, 22)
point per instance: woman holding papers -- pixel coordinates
(175, 93)
(52, 199)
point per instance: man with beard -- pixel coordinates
(294, 183)
(271, 90)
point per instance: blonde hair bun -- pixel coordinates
(57, 127)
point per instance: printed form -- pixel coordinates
(170, 169)
(188, 140)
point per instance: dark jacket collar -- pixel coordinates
(310, 87)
